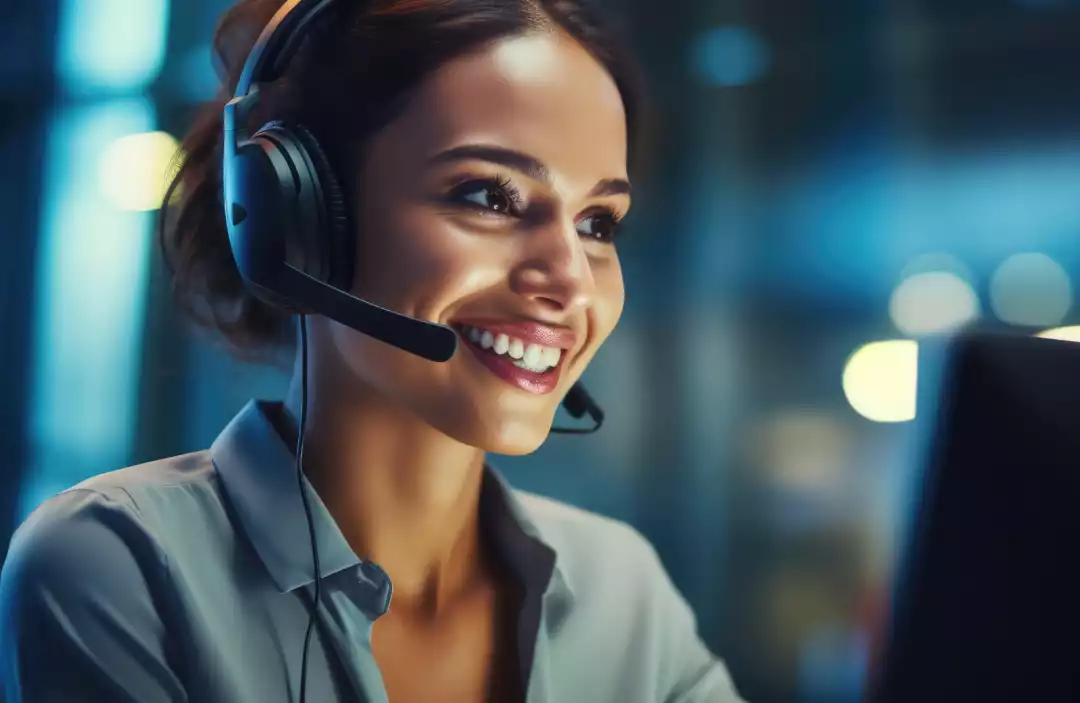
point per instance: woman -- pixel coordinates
(482, 148)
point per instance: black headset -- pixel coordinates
(288, 221)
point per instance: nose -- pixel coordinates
(556, 272)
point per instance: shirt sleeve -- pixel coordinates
(690, 673)
(80, 595)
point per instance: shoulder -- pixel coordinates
(166, 496)
(83, 590)
(81, 557)
(89, 534)
(102, 531)
(564, 525)
(137, 481)
(598, 554)
(622, 593)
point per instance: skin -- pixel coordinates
(396, 444)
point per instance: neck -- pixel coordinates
(403, 494)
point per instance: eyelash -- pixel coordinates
(512, 194)
(514, 199)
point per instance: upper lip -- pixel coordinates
(528, 331)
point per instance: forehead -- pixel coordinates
(541, 94)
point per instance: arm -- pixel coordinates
(79, 599)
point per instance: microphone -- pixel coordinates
(579, 403)
(428, 340)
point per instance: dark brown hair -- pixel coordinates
(354, 74)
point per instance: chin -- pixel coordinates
(518, 445)
(514, 438)
(511, 436)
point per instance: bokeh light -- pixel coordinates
(1031, 289)
(933, 302)
(880, 380)
(731, 56)
(135, 170)
(111, 45)
(1065, 334)
(804, 450)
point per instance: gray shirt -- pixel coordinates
(189, 579)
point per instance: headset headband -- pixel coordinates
(278, 43)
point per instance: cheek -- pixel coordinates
(410, 260)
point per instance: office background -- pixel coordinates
(831, 182)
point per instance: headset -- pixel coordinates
(290, 235)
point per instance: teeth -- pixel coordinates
(532, 357)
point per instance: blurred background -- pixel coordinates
(831, 182)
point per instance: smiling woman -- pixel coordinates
(471, 162)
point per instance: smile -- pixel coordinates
(526, 355)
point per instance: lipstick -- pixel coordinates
(508, 343)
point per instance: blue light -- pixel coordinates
(731, 56)
(843, 229)
(92, 258)
(90, 303)
(111, 45)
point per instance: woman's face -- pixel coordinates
(490, 205)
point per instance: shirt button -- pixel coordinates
(376, 589)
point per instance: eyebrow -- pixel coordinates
(523, 163)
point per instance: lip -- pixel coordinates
(502, 366)
(529, 332)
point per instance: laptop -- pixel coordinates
(986, 606)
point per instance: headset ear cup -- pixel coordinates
(341, 239)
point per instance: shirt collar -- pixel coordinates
(258, 471)
(520, 541)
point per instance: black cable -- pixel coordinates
(307, 505)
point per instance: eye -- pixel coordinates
(602, 226)
(492, 195)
